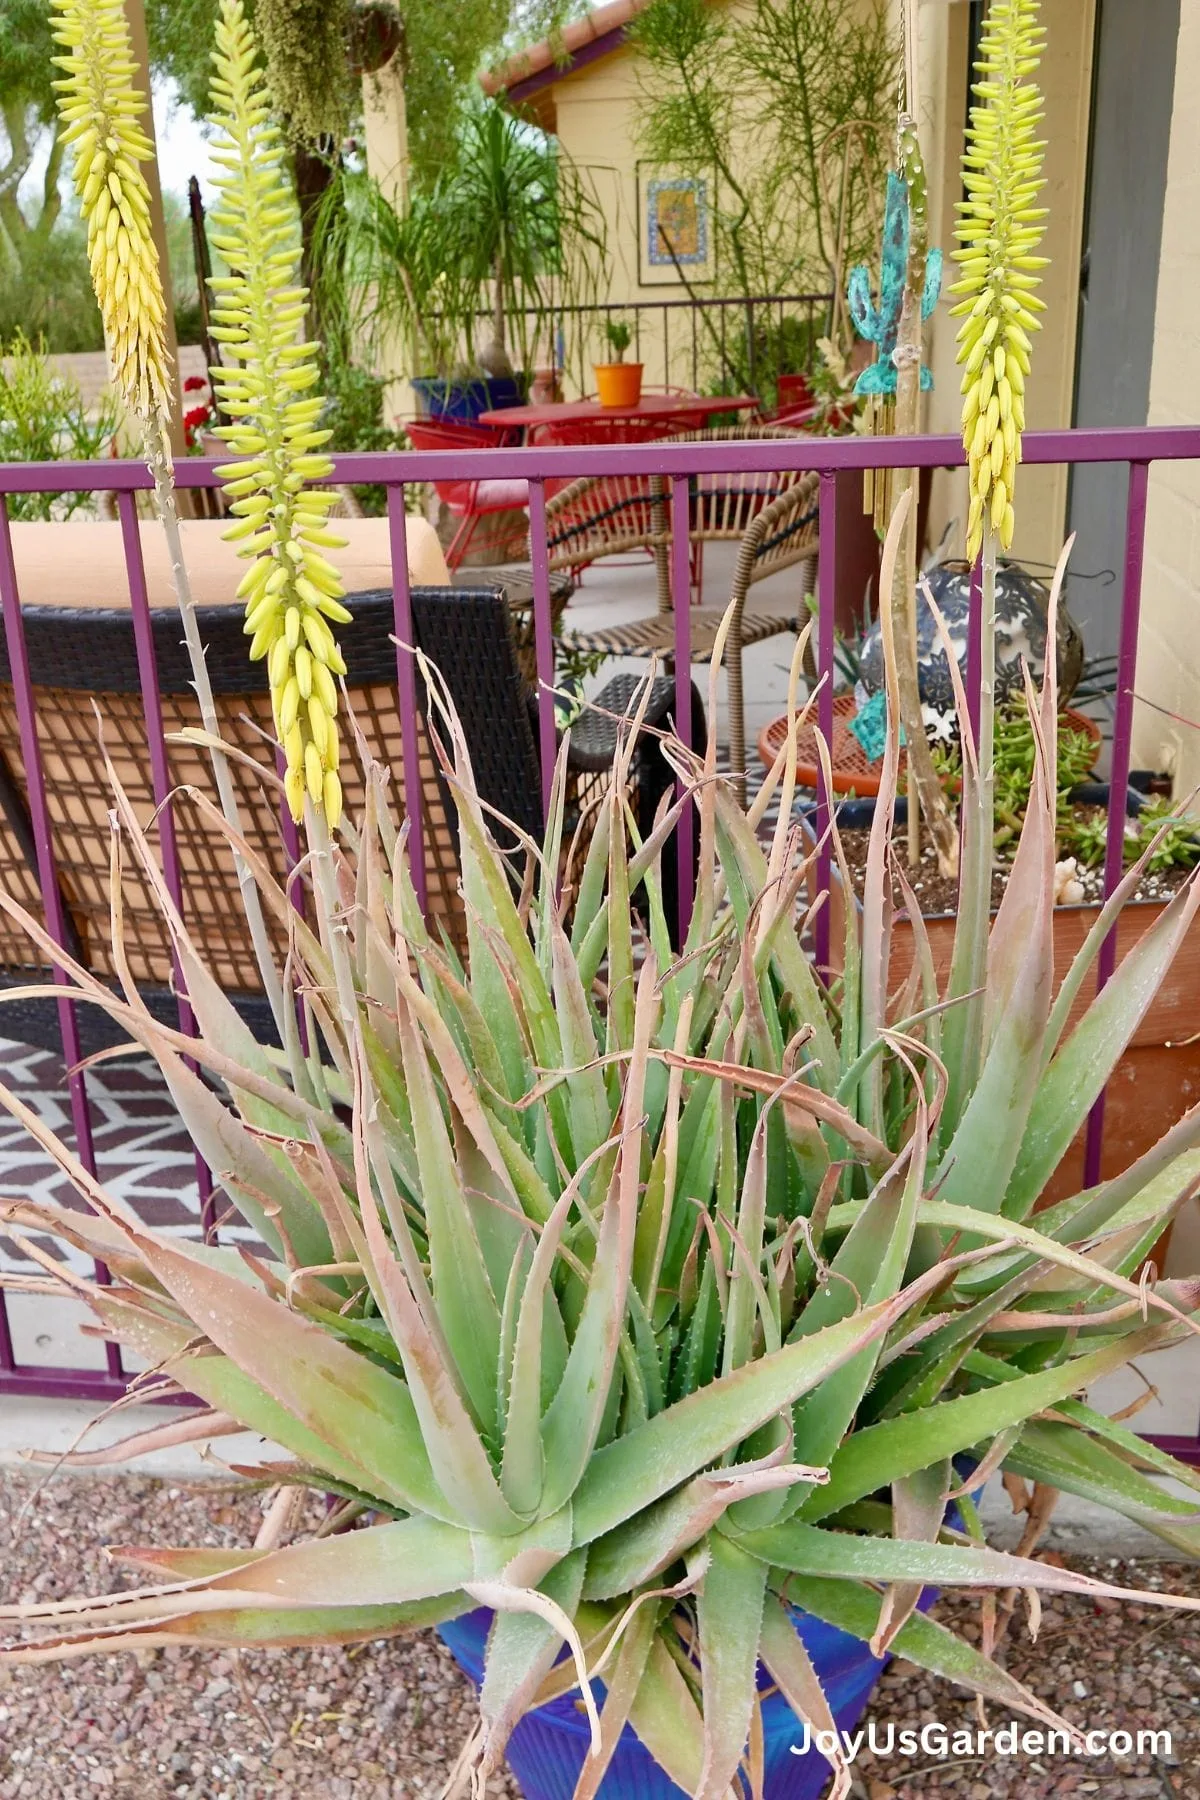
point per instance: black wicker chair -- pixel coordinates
(79, 656)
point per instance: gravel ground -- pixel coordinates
(384, 1721)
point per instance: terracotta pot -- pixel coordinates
(852, 771)
(618, 384)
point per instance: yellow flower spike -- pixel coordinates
(265, 389)
(99, 106)
(998, 238)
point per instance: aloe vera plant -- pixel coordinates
(639, 1296)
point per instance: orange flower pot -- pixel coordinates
(618, 384)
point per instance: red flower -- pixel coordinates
(193, 383)
(196, 419)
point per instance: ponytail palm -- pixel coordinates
(509, 229)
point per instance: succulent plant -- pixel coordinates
(642, 1298)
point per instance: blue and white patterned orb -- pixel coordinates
(1020, 638)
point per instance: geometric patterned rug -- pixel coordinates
(143, 1154)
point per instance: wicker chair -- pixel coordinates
(772, 517)
(77, 655)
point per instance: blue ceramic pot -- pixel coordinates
(547, 1750)
(465, 400)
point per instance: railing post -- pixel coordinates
(826, 609)
(681, 589)
(39, 815)
(1114, 849)
(406, 683)
(543, 638)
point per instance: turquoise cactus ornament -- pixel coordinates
(880, 324)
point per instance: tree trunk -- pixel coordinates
(315, 169)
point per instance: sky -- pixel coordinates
(182, 149)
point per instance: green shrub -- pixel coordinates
(43, 419)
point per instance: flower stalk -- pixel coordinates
(100, 105)
(266, 389)
(998, 233)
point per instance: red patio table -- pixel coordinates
(656, 411)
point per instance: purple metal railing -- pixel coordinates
(1138, 448)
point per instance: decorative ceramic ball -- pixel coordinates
(1020, 637)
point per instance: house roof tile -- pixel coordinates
(599, 31)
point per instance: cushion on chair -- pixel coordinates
(655, 635)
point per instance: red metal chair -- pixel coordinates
(470, 502)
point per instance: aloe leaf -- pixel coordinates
(667, 1720)
(591, 1115)
(877, 898)
(1075, 1076)
(869, 1267)
(1066, 1458)
(590, 895)
(987, 1138)
(745, 870)
(572, 1422)
(730, 1611)
(1128, 1444)
(521, 1651)
(855, 1608)
(1091, 1272)
(918, 1508)
(812, 1550)
(620, 1010)
(790, 1667)
(658, 1202)
(623, 1686)
(393, 1564)
(631, 1473)
(248, 1627)
(523, 1469)
(462, 1292)
(365, 1414)
(1089, 950)
(456, 1453)
(220, 1382)
(962, 1033)
(645, 1546)
(880, 1454)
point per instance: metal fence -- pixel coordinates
(745, 342)
(678, 464)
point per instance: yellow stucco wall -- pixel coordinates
(1169, 650)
